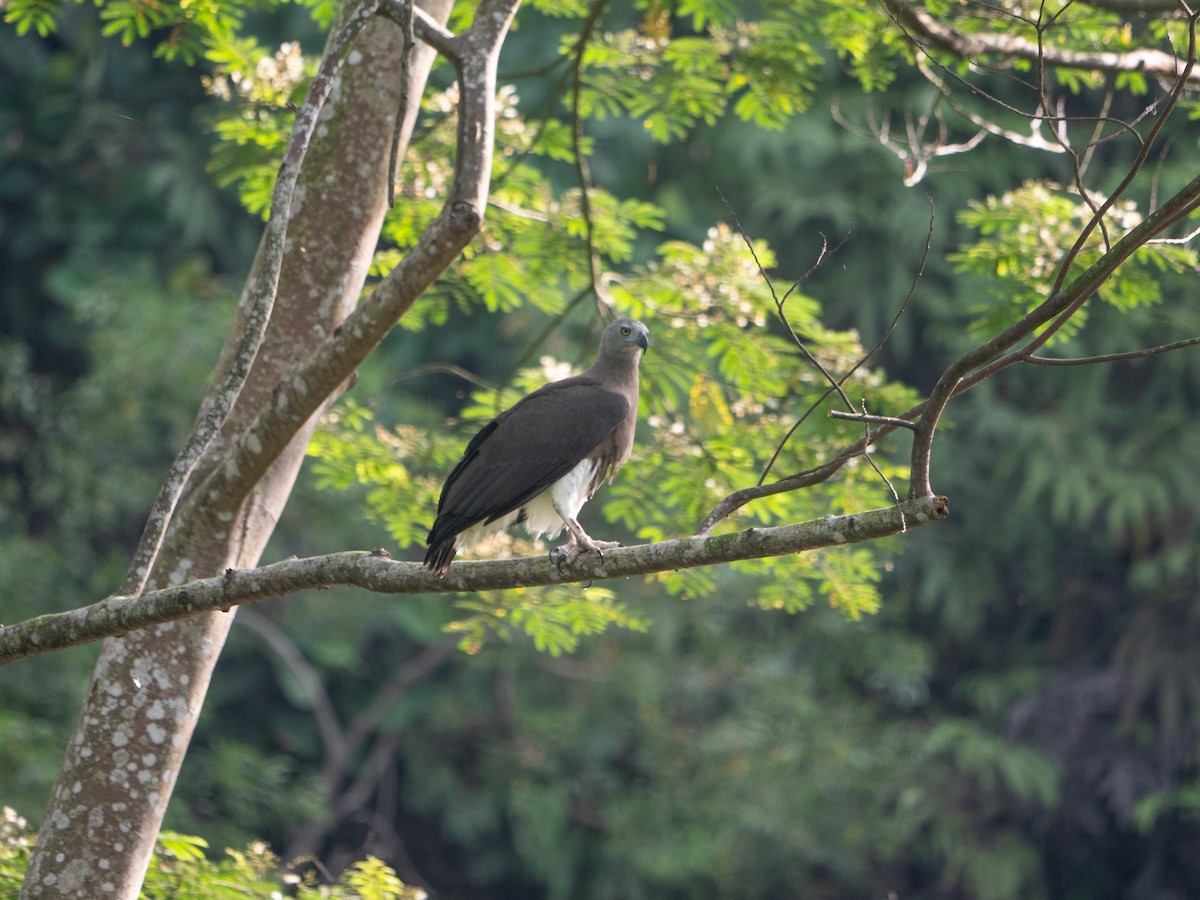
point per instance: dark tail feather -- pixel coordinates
(438, 558)
(443, 544)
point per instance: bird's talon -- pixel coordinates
(564, 555)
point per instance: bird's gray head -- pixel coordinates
(624, 336)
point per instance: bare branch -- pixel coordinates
(324, 710)
(917, 149)
(1113, 357)
(780, 301)
(1063, 302)
(872, 419)
(835, 384)
(795, 482)
(1035, 140)
(377, 572)
(1136, 7)
(1185, 239)
(925, 30)
(974, 367)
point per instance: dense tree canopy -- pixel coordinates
(1004, 705)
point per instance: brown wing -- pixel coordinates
(522, 452)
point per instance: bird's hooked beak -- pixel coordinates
(643, 340)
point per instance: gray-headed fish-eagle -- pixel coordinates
(539, 461)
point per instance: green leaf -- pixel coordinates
(185, 848)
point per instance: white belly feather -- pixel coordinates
(569, 493)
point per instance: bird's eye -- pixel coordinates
(625, 331)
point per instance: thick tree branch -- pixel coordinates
(257, 302)
(930, 33)
(424, 27)
(300, 396)
(164, 673)
(377, 572)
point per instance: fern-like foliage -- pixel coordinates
(1023, 236)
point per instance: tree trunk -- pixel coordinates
(106, 809)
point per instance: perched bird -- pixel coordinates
(541, 460)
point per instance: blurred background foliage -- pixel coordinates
(1004, 706)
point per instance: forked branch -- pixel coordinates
(257, 302)
(297, 398)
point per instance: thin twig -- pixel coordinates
(324, 710)
(581, 167)
(835, 385)
(874, 465)
(1112, 357)
(912, 289)
(872, 419)
(780, 301)
(534, 345)
(1061, 137)
(406, 28)
(925, 67)
(883, 338)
